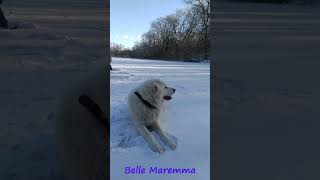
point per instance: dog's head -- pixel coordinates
(158, 89)
(168, 92)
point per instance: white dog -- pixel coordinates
(145, 105)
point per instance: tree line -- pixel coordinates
(182, 35)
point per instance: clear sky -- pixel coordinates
(131, 18)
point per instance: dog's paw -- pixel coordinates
(173, 145)
(158, 149)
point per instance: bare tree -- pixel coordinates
(202, 9)
(180, 35)
(116, 49)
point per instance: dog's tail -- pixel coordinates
(94, 108)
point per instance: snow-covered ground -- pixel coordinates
(53, 35)
(52, 51)
(266, 115)
(186, 119)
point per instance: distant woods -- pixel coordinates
(182, 35)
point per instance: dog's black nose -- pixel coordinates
(174, 90)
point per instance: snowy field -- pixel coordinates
(53, 34)
(54, 49)
(266, 114)
(186, 119)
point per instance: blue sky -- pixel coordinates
(129, 19)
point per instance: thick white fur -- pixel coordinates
(143, 116)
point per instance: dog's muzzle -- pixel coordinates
(167, 98)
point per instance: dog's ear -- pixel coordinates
(155, 87)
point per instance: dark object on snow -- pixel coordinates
(3, 20)
(94, 108)
(150, 128)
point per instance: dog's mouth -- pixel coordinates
(167, 97)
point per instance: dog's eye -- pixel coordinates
(166, 87)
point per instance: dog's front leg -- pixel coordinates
(153, 144)
(164, 138)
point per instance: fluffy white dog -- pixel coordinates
(145, 105)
